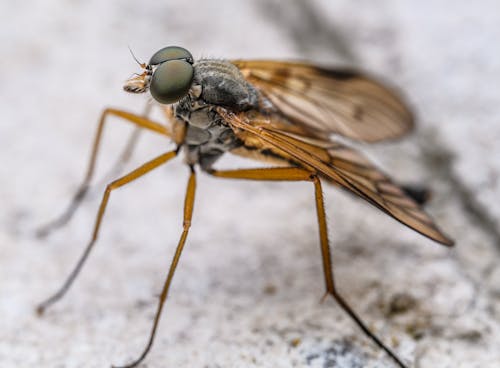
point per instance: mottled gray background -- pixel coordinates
(248, 286)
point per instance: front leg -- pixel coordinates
(140, 122)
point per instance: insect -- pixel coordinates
(283, 113)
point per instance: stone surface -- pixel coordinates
(247, 289)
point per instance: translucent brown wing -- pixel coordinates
(330, 101)
(343, 166)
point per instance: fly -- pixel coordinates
(283, 113)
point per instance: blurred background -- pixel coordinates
(247, 288)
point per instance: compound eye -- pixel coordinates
(171, 53)
(171, 81)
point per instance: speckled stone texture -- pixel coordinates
(248, 286)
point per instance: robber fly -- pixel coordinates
(283, 113)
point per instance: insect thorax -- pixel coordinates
(215, 83)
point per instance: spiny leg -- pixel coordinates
(188, 212)
(141, 123)
(298, 174)
(133, 175)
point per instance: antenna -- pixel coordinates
(142, 65)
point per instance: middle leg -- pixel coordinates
(188, 214)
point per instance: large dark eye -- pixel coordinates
(171, 81)
(171, 53)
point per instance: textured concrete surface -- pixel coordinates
(247, 290)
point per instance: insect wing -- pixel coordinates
(377, 188)
(328, 101)
(347, 168)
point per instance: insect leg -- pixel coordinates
(188, 213)
(327, 268)
(128, 150)
(135, 174)
(297, 174)
(141, 122)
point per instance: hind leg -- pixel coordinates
(298, 174)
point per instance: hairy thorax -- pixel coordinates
(216, 83)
